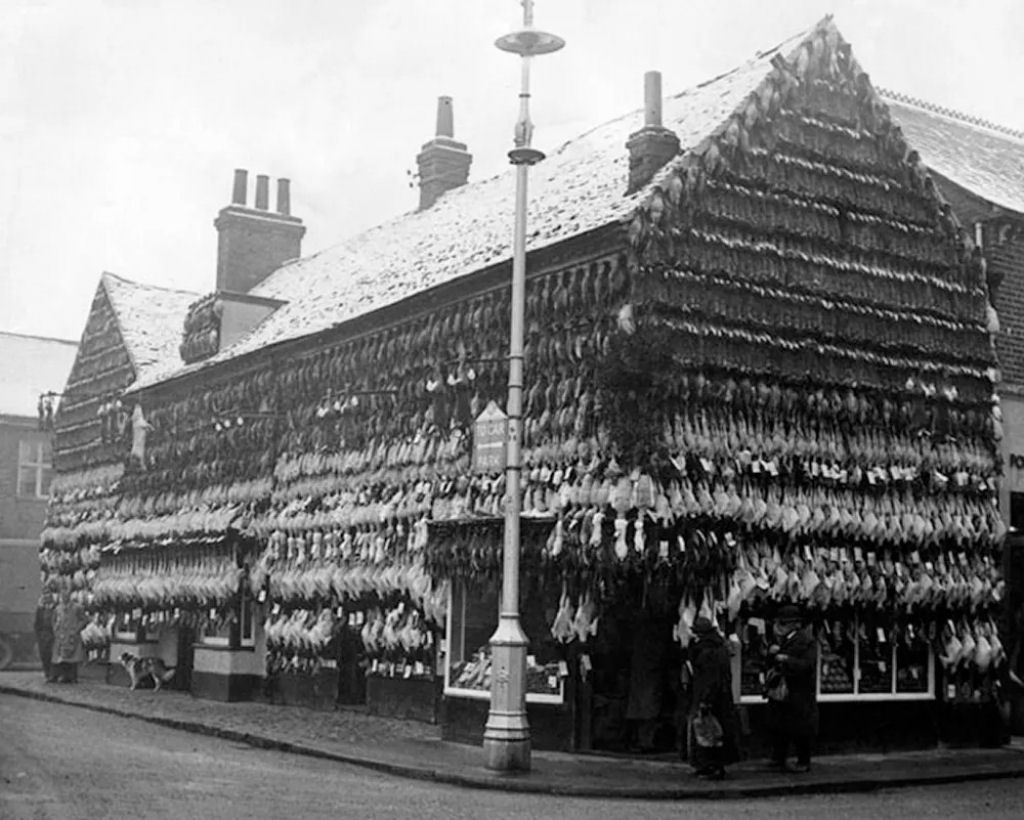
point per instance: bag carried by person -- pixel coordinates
(775, 687)
(707, 731)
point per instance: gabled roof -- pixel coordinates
(150, 319)
(986, 159)
(578, 188)
(30, 366)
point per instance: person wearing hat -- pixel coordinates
(791, 680)
(712, 728)
(43, 627)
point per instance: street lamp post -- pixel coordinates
(507, 733)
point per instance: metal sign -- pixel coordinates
(490, 436)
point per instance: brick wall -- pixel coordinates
(1004, 251)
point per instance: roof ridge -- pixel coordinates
(39, 338)
(125, 280)
(952, 113)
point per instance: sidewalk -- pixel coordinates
(411, 749)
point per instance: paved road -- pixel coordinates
(61, 762)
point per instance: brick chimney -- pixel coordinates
(443, 162)
(254, 242)
(653, 145)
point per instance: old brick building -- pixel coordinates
(759, 370)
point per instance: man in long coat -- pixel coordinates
(69, 621)
(793, 720)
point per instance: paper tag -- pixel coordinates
(928, 566)
(136, 614)
(419, 668)
(833, 554)
(883, 666)
(951, 691)
(585, 663)
(262, 596)
(552, 681)
(915, 557)
(177, 612)
(276, 610)
(663, 549)
(330, 663)
(340, 612)
(563, 669)
(963, 559)
(872, 559)
(375, 666)
(807, 552)
(531, 660)
(858, 554)
(407, 672)
(443, 646)
(881, 635)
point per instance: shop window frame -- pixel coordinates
(32, 457)
(451, 690)
(863, 697)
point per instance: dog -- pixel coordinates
(139, 669)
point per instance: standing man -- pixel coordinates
(791, 689)
(69, 621)
(44, 633)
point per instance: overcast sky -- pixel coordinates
(121, 121)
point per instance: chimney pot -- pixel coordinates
(652, 98)
(238, 193)
(262, 192)
(445, 117)
(284, 197)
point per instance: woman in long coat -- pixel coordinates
(711, 692)
(68, 651)
(794, 719)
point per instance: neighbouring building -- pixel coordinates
(979, 168)
(760, 370)
(32, 373)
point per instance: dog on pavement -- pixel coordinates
(139, 669)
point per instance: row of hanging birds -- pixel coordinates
(207, 582)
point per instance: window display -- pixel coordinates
(857, 659)
(473, 617)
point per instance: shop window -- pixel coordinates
(858, 659)
(472, 619)
(219, 631)
(1017, 511)
(35, 468)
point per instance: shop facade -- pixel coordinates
(760, 371)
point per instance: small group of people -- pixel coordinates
(59, 623)
(712, 726)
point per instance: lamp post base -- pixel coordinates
(507, 733)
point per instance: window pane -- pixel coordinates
(44, 482)
(27, 481)
(753, 657)
(912, 659)
(46, 452)
(875, 659)
(26, 452)
(837, 653)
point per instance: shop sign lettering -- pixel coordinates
(1017, 461)
(490, 436)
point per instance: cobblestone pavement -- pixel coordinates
(414, 749)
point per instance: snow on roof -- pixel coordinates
(580, 187)
(986, 159)
(151, 320)
(29, 366)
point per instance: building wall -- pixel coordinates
(20, 516)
